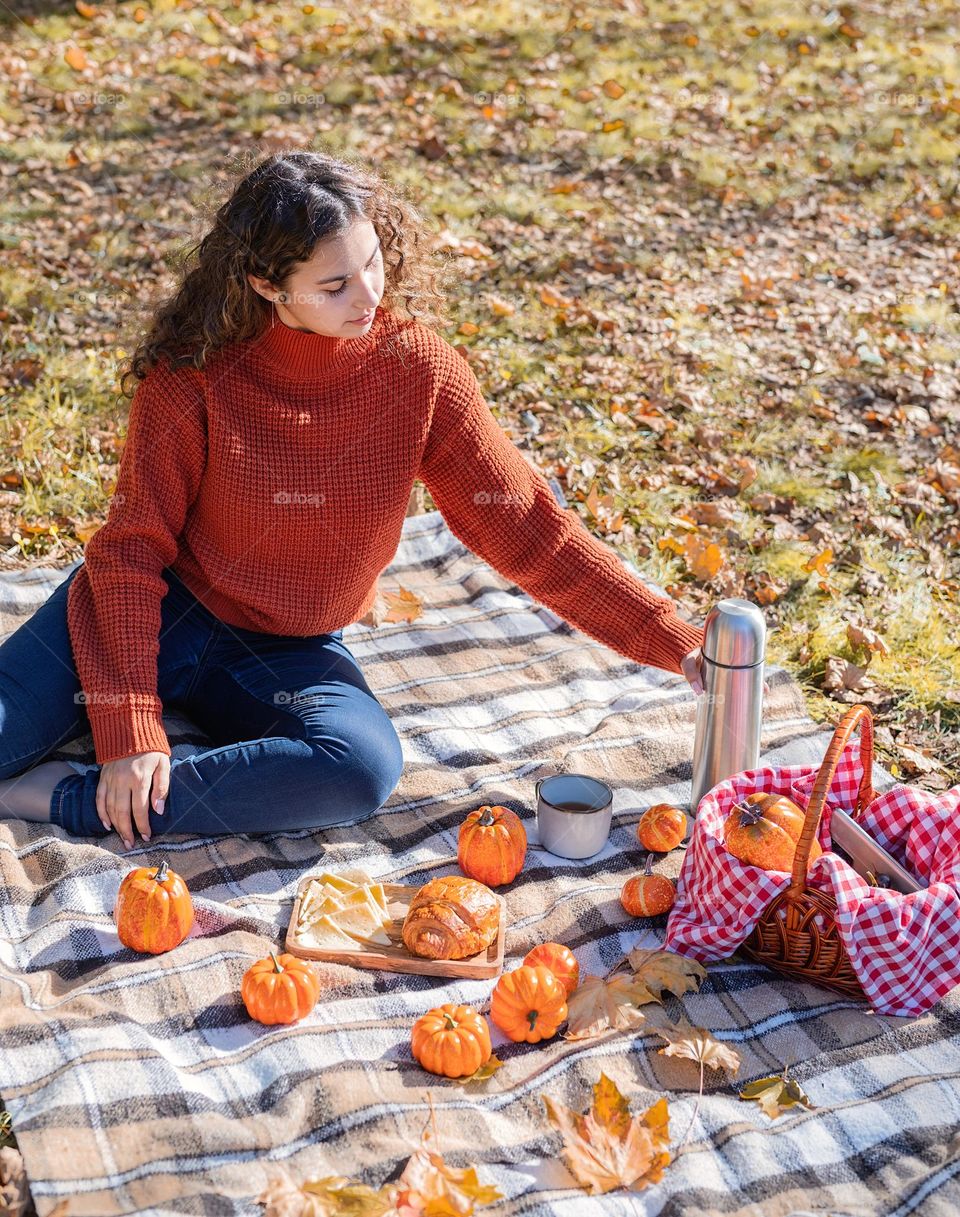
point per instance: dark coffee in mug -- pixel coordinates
(573, 814)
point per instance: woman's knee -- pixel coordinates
(373, 768)
(358, 781)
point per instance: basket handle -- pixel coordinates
(857, 716)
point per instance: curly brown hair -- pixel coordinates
(276, 214)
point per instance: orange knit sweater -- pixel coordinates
(276, 482)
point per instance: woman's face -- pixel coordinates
(341, 282)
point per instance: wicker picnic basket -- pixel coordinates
(797, 933)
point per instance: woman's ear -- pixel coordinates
(263, 286)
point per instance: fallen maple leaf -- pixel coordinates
(776, 1094)
(485, 1071)
(600, 1005)
(820, 563)
(437, 1190)
(704, 558)
(402, 605)
(14, 1189)
(861, 636)
(697, 1044)
(605, 1147)
(427, 1187)
(659, 970)
(331, 1196)
(553, 298)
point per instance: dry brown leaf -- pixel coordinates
(402, 605)
(713, 513)
(703, 556)
(840, 674)
(331, 1196)
(697, 1044)
(554, 299)
(915, 761)
(427, 1187)
(600, 1005)
(14, 1190)
(606, 1148)
(776, 1094)
(76, 57)
(665, 970)
(486, 1070)
(431, 1187)
(860, 636)
(820, 563)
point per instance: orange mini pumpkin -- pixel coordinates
(153, 911)
(280, 989)
(452, 1041)
(661, 828)
(560, 960)
(647, 894)
(763, 829)
(492, 845)
(528, 1004)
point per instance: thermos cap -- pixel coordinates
(734, 633)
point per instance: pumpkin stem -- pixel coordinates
(532, 1016)
(648, 866)
(450, 1021)
(161, 876)
(750, 814)
(486, 817)
(276, 962)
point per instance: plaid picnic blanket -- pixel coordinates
(139, 1085)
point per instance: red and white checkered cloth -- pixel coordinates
(905, 949)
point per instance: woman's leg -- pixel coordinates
(187, 630)
(301, 742)
(41, 708)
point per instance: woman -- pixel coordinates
(286, 398)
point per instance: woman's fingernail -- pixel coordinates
(159, 807)
(146, 836)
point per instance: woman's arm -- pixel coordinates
(113, 604)
(505, 511)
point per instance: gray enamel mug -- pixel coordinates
(573, 814)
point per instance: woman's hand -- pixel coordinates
(126, 790)
(692, 667)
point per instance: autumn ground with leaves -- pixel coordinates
(707, 263)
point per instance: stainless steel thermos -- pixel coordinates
(730, 708)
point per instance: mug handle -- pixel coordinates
(536, 787)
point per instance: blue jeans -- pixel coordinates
(300, 741)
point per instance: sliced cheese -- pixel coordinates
(346, 880)
(379, 896)
(325, 935)
(346, 900)
(318, 893)
(336, 903)
(362, 923)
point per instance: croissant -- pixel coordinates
(451, 918)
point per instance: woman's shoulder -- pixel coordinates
(415, 344)
(171, 385)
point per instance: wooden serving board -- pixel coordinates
(396, 957)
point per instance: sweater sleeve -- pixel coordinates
(502, 509)
(113, 603)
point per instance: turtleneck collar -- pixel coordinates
(305, 355)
